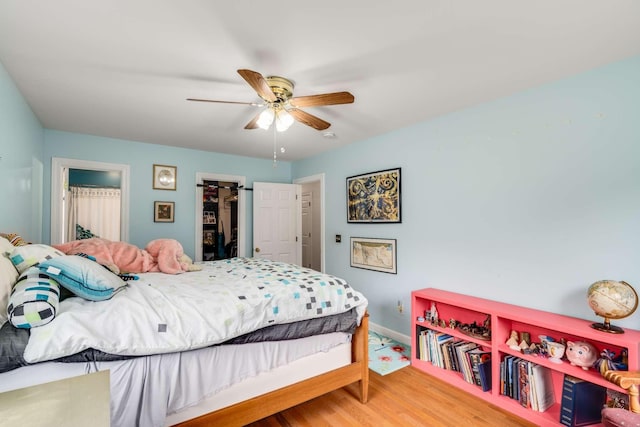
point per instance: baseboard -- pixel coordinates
(404, 339)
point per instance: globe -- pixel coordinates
(611, 299)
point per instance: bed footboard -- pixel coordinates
(259, 407)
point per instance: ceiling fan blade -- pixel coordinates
(322, 99)
(253, 124)
(259, 84)
(308, 119)
(255, 104)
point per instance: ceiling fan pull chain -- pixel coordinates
(274, 147)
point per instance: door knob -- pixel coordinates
(257, 249)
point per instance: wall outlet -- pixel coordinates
(400, 307)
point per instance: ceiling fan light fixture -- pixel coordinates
(284, 120)
(266, 118)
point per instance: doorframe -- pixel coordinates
(307, 180)
(242, 216)
(60, 182)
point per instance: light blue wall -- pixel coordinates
(21, 140)
(528, 199)
(141, 157)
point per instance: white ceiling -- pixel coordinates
(123, 68)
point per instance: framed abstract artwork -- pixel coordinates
(374, 254)
(163, 211)
(374, 197)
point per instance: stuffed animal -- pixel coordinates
(170, 257)
(119, 257)
(164, 255)
(15, 239)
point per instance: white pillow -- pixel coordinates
(8, 277)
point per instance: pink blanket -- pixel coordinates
(163, 255)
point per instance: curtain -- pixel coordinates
(97, 210)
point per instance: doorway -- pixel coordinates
(60, 168)
(314, 250)
(220, 216)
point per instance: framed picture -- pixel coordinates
(163, 211)
(164, 177)
(374, 197)
(374, 254)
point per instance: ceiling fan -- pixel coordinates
(282, 106)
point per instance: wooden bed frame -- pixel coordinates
(259, 407)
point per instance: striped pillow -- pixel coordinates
(34, 300)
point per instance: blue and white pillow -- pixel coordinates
(34, 300)
(83, 277)
(27, 256)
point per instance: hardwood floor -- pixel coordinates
(407, 397)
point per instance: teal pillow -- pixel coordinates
(83, 277)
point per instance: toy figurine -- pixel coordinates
(512, 342)
(433, 314)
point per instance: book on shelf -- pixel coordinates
(509, 377)
(463, 359)
(484, 368)
(446, 354)
(581, 402)
(541, 386)
(515, 379)
(524, 390)
(439, 339)
(504, 376)
(477, 356)
(455, 354)
(532, 387)
(502, 392)
(423, 352)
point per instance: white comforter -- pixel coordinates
(162, 313)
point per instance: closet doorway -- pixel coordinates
(313, 221)
(220, 216)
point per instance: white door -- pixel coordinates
(276, 224)
(307, 225)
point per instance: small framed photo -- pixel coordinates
(164, 177)
(163, 211)
(374, 254)
(374, 197)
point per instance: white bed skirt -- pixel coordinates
(166, 389)
(298, 370)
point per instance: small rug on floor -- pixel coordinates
(387, 355)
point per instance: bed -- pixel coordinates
(228, 345)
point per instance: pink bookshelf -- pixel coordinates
(504, 318)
